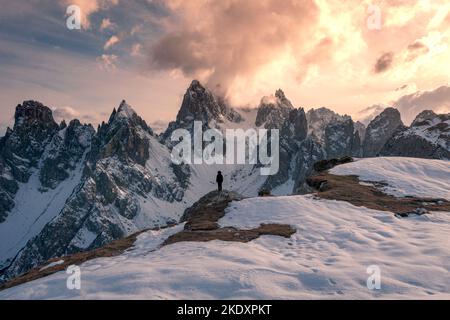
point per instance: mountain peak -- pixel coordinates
(380, 130)
(201, 104)
(322, 113)
(123, 117)
(273, 110)
(196, 84)
(30, 112)
(390, 111)
(389, 115)
(424, 116)
(278, 100)
(196, 88)
(319, 119)
(126, 110)
(280, 94)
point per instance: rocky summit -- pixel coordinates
(200, 104)
(427, 137)
(380, 130)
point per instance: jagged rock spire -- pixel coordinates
(273, 110)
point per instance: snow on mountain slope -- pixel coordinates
(433, 128)
(403, 176)
(39, 199)
(124, 182)
(34, 210)
(244, 179)
(327, 258)
(427, 137)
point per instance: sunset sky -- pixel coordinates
(321, 53)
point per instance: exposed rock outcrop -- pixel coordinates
(202, 222)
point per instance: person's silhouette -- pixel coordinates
(219, 180)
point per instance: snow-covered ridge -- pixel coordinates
(403, 176)
(327, 258)
(435, 129)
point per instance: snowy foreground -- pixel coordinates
(327, 258)
(404, 176)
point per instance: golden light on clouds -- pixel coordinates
(321, 52)
(330, 53)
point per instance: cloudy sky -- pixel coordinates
(347, 55)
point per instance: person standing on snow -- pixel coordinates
(219, 180)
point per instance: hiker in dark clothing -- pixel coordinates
(219, 180)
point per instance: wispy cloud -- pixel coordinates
(65, 113)
(111, 41)
(136, 49)
(416, 49)
(108, 62)
(107, 24)
(411, 105)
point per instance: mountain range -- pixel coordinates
(67, 188)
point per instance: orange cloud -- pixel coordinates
(314, 49)
(106, 24)
(108, 62)
(234, 39)
(111, 41)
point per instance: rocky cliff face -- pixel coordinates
(319, 119)
(380, 130)
(339, 135)
(120, 176)
(427, 137)
(305, 139)
(341, 139)
(124, 136)
(21, 148)
(361, 129)
(65, 150)
(293, 132)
